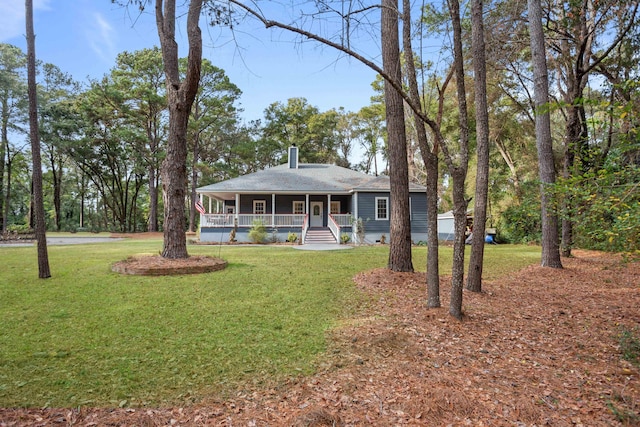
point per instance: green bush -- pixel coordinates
(258, 232)
(345, 238)
(605, 208)
(19, 228)
(292, 237)
(521, 222)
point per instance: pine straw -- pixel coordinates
(540, 347)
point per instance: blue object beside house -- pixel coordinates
(318, 202)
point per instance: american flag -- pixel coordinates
(199, 207)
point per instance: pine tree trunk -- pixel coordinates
(400, 229)
(572, 142)
(7, 194)
(430, 160)
(57, 196)
(459, 172)
(433, 269)
(3, 143)
(459, 227)
(544, 144)
(40, 226)
(476, 260)
(194, 184)
(174, 180)
(180, 97)
(153, 200)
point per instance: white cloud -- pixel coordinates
(12, 17)
(101, 38)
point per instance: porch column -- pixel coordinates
(354, 220)
(355, 206)
(306, 209)
(328, 207)
(273, 210)
(237, 209)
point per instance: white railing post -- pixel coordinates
(334, 227)
(305, 227)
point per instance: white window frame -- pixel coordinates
(301, 205)
(255, 207)
(377, 209)
(335, 207)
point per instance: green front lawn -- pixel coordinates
(88, 336)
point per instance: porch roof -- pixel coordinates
(308, 178)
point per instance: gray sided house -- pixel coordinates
(318, 202)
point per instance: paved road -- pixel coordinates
(54, 241)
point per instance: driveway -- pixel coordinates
(57, 241)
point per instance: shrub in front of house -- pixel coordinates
(258, 232)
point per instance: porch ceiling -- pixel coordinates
(232, 194)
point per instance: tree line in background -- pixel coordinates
(103, 141)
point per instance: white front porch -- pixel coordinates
(268, 220)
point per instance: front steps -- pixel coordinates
(319, 236)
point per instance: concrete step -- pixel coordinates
(319, 236)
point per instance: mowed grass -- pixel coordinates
(90, 337)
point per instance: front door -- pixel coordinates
(316, 214)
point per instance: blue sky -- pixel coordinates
(83, 37)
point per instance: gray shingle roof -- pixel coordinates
(308, 178)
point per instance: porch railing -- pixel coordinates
(216, 220)
(334, 227)
(247, 220)
(343, 220)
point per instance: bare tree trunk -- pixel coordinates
(194, 183)
(459, 228)
(153, 200)
(476, 260)
(458, 172)
(430, 159)
(400, 232)
(57, 190)
(152, 136)
(180, 96)
(83, 190)
(572, 140)
(40, 226)
(3, 144)
(544, 143)
(7, 195)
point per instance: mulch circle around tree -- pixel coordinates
(156, 265)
